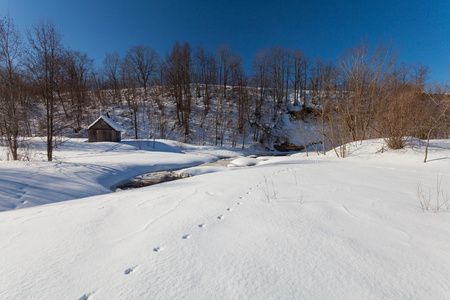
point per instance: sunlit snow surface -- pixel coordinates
(297, 227)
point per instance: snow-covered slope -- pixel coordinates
(289, 227)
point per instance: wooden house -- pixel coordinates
(104, 130)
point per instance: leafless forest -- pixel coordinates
(207, 97)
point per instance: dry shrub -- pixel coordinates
(435, 200)
(398, 115)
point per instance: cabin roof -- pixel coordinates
(108, 121)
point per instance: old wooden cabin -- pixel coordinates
(104, 130)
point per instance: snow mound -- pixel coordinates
(194, 171)
(245, 162)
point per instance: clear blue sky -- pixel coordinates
(319, 27)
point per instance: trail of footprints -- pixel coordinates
(202, 225)
(129, 271)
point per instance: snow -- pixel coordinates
(289, 227)
(195, 171)
(110, 122)
(245, 162)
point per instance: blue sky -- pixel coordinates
(421, 29)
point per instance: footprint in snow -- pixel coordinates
(129, 270)
(86, 296)
(202, 225)
(239, 203)
(229, 209)
(220, 217)
(248, 193)
(241, 197)
(158, 249)
(186, 236)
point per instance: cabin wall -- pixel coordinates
(91, 136)
(102, 132)
(117, 136)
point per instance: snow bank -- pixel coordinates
(245, 162)
(194, 171)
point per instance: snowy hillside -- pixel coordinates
(314, 227)
(218, 125)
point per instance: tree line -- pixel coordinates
(366, 93)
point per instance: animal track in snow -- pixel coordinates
(202, 225)
(229, 209)
(241, 197)
(220, 217)
(129, 270)
(186, 236)
(239, 203)
(158, 249)
(248, 193)
(86, 296)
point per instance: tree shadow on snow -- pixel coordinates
(150, 145)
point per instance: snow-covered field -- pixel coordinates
(296, 227)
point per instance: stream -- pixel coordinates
(152, 178)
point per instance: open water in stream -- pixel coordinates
(153, 178)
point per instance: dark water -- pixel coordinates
(153, 178)
(149, 179)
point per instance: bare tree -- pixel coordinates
(260, 80)
(279, 70)
(239, 82)
(178, 72)
(131, 94)
(224, 59)
(420, 74)
(205, 75)
(329, 78)
(44, 63)
(12, 111)
(316, 83)
(142, 62)
(111, 68)
(438, 107)
(300, 66)
(77, 70)
(366, 76)
(99, 86)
